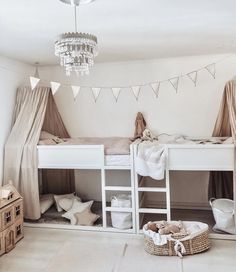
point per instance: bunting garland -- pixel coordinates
(116, 93)
(34, 82)
(193, 77)
(116, 90)
(136, 91)
(211, 68)
(96, 93)
(156, 87)
(174, 82)
(54, 86)
(75, 91)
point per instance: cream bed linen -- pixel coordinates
(112, 145)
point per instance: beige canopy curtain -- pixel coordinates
(20, 159)
(221, 184)
(56, 181)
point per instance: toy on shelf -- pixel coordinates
(11, 218)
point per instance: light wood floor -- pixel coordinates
(80, 251)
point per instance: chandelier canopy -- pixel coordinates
(76, 50)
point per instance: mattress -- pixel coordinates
(112, 145)
(117, 160)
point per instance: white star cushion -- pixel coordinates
(58, 197)
(77, 207)
(66, 203)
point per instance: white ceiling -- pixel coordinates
(126, 29)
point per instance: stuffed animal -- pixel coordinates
(147, 135)
(140, 125)
(152, 226)
(168, 228)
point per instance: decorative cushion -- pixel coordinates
(86, 218)
(58, 197)
(44, 135)
(66, 203)
(47, 142)
(77, 207)
(46, 201)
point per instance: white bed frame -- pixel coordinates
(87, 157)
(180, 158)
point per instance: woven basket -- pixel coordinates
(192, 243)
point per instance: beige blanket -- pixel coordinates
(112, 145)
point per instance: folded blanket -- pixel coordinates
(151, 160)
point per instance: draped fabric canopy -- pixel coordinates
(33, 110)
(221, 183)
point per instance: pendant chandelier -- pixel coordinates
(76, 50)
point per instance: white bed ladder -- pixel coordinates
(139, 200)
(119, 189)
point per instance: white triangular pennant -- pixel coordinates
(174, 82)
(136, 91)
(55, 86)
(96, 93)
(75, 90)
(155, 87)
(34, 82)
(211, 68)
(193, 77)
(116, 93)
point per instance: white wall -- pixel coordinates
(192, 111)
(12, 75)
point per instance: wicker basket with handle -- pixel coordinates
(196, 242)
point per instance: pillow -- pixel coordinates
(66, 203)
(44, 135)
(46, 201)
(86, 218)
(47, 142)
(58, 197)
(77, 207)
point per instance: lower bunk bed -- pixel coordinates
(103, 155)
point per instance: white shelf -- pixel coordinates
(152, 189)
(148, 210)
(118, 188)
(117, 209)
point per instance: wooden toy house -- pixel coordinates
(11, 218)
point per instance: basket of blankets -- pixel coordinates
(176, 238)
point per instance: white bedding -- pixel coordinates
(117, 160)
(112, 145)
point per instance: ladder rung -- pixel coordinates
(117, 188)
(148, 210)
(151, 189)
(117, 209)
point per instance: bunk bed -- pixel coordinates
(85, 153)
(183, 157)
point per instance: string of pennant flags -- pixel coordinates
(155, 85)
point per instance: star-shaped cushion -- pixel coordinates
(77, 207)
(86, 218)
(66, 203)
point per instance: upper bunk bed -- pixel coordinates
(215, 153)
(184, 153)
(85, 153)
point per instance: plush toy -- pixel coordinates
(152, 226)
(147, 135)
(140, 125)
(167, 228)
